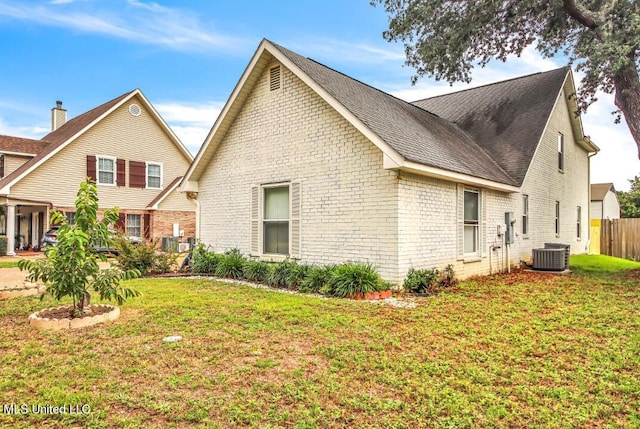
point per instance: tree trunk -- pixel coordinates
(627, 84)
(85, 302)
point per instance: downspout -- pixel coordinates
(589, 199)
(193, 196)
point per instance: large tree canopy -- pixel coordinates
(630, 201)
(445, 39)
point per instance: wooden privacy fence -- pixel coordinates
(620, 238)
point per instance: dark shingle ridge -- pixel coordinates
(526, 76)
(415, 133)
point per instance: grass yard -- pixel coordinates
(513, 351)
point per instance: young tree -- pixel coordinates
(444, 38)
(630, 201)
(71, 268)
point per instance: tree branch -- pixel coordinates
(585, 16)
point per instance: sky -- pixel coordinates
(187, 56)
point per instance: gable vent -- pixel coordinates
(274, 78)
(135, 110)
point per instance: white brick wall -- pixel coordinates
(427, 207)
(349, 202)
(353, 209)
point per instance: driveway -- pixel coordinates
(13, 277)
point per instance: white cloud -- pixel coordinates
(140, 22)
(25, 131)
(190, 121)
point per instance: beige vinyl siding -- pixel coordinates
(349, 207)
(13, 162)
(120, 135)
(176, 200)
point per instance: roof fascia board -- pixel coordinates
(8, 152)
(450, 176)
(7, 188)
(222, 117)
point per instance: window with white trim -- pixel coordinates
(275, 220)
(471, 236)
(106, 168)
(579, 223)
(71, 217)
(525, 215)
(154, 175)
(557, 218)
(560, 152)
(134, 225)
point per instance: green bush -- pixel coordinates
(144, 257)
(296, 275)
(3, 245)
(231, 264)
(203, 261)
(281, 273)
(317, 278)
(353, 278)
(421, 281)
(257, 271)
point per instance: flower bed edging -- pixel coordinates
(27, 290)
(75, 323)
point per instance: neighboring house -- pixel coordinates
(307, 163)
(124, 145)
(604, 201)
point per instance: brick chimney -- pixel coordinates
(58, 116)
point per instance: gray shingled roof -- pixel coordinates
(506, 118)
(413, 132)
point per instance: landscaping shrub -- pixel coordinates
(144, 257)
(422, 281)
(296, 275)
(3, 245)
(257, 271)
(429, 281)
(203, 261)
(231, 264)
(281, 273)
(448, 277)
(316, 279)
(353, 278)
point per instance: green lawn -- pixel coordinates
(512, 351)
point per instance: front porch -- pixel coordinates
(23, 222)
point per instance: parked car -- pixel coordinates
(50, 238)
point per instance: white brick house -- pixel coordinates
(307, 163)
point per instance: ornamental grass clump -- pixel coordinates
(71, 268)
(231, 264)
(257, 271)
(353, 278)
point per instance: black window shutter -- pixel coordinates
(137, 174)
(91, 167)
(1, 165)
(121, 177)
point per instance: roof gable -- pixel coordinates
(72, 129)
(485, 136)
